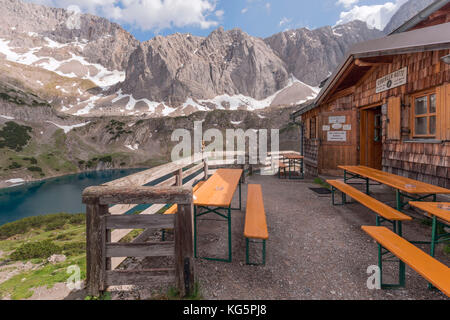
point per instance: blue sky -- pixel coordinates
(261, 18)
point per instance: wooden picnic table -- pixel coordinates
(405, 187)
(437, 210)
(215, 196)
(295, 159)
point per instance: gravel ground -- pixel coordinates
(314, 251)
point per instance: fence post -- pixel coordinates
(95, 247)
(180, 177)
(184, 249)
(205, 169)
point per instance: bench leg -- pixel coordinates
(247, 252)
(401, 272)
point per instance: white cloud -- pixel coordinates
(244, 10)
(376, 16)
(284, 21)
(148, 14)
(219, 13)
(347, 3)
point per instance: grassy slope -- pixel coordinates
(70, 236)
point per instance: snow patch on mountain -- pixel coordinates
(74, 67)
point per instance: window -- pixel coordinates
(424, 115)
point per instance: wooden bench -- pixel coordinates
(255, 221)
(382, 210)
(428, 267)
(174, 208)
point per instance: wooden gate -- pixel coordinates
(100, 249)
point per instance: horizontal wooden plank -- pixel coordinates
(137, 195)
(147, 249)
(137, 221)
(147, 176)
(193, 170)
(139, 277)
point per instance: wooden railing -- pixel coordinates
(170, 184)
(100, 248)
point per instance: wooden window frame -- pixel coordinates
(427, 115)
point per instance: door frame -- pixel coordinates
(365, 151)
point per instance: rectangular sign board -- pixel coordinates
(337, 136)
(337, 119)
(392, 80)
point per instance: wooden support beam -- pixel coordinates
(137, 195)
(138, 221)
(95, 248)
(184, 249)
(147, 249)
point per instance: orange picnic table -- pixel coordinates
(294, 159)
(405, 187)
(440, 214)
(215, 196)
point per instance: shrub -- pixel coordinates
(55, 225)
(24, 225)
(35, 250)
(34, 169)
(105, 159)
(74, 248)
(31, 159)
(15, 165)
(14, 136)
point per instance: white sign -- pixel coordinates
(326, 128)
(393, 80)
(347, 127)
(337, 136)
(336, 126)
(337, 119)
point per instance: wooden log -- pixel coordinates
(140, 222)
(184, 249)
(148, 249)
(137, 195)
(95, 248)
(139, 277)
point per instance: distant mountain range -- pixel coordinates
(88, 66)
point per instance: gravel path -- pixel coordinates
(314, 251)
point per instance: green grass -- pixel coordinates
(447, 249)
(174, 294)
(33, 240)
(322, 183)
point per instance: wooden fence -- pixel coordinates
(170, 184)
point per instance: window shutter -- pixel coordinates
(394, 118)
(443, 112)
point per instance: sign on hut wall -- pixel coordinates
(392, 80)
(337, 136)
(336, 128)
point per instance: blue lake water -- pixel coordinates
(62, 194)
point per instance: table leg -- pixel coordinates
(398, 198)
(195, 231)
(433, 235)
(229, 234)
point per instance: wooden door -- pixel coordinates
(371, 147)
